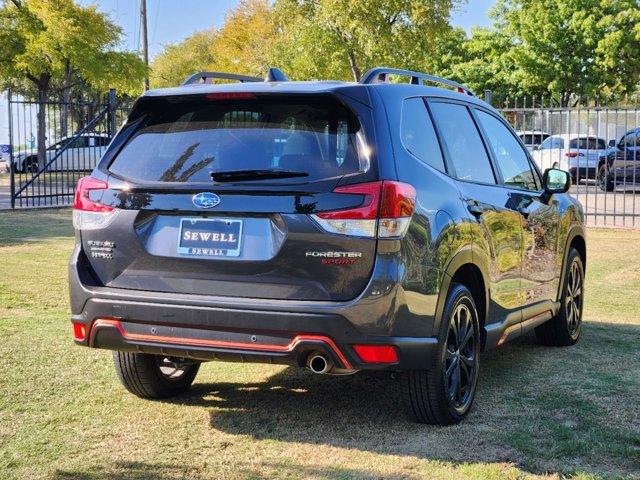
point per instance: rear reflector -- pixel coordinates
(376, 353)
(79, 331)
(573, 154)
(89, 214)
(386, 210)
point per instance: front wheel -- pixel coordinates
(444, 395)
(564, 328)
(154, 376)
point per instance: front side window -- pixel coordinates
(418, 134)
(510, 156)
(630, 140)
(192, 138)
(463, 143)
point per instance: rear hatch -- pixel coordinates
(214, 194)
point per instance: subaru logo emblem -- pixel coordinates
(205, 200)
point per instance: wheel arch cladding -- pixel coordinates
(580, 245)
(471, 277)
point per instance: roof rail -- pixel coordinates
(379, 75)
(206, 77)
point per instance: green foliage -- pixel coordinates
(337, 39)
(559, 47)
(242, 45)
(180, 60)
(46, 41)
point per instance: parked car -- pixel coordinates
(577, 154)
(337, 226)
(82, 153)
(621, 165)
(532, 139)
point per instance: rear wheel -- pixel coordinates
(564, 328)
(604, 180)
(444, 395)
(30, 165)
(154, 376)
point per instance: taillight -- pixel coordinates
(89, 214)
(573, 154)
(385, 211)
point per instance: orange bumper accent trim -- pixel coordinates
(100, 322)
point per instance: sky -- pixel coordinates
(170, 21)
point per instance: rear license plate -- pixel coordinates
(218, 237)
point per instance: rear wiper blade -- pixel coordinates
(241, 175)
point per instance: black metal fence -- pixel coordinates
(597, 141)
(54, 143)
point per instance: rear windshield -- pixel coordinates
(590, 143)
(189, 139)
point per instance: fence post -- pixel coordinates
(487, 96)
(11, 168)
(112, 112)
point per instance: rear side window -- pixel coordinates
(509, 155)
(588, 143)
(551, 143)
(187, 139)
(463, 142)
(418, 134)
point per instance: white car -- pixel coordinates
(532, 139)
(82, 153)
(577, 154)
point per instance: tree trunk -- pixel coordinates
(355, 69)
(43, 93)
(66, 100)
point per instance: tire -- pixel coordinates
(427, 392)
(564, 329)
(604, 180)
(149, 376)
(30, 165)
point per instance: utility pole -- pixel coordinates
(145, 41)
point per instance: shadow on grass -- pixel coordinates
(543, 409)
(164, 471)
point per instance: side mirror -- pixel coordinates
(613, 143)
(556, 181)
(536, 147)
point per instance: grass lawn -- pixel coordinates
(547, 412)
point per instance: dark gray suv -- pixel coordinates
(337, 226)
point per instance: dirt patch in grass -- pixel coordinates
(540, 412)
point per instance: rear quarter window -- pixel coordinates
(418, 135)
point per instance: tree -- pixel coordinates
(180, 60)
(241, 45)
(57, 42)
(338, 39)
(566, 48)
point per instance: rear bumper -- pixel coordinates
(215, 328)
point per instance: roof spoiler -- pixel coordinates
(273, 75)
(381, 74)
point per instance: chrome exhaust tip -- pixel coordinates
(319, 363)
